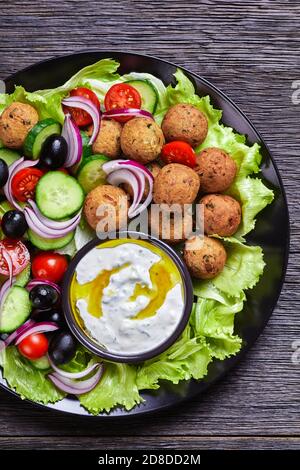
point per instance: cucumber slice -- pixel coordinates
(9, 156)
(16, 309)
(90, 173)
(148, 94)
(37, 136)
(58, 195)
(86, 148)
(41, 364)
(23, 277)
(49, 243)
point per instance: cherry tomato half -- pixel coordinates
(49, 266)
(178, 152)
(24, 183)
(122, 95)
(34, 346)
(19, 255)
(81, 117)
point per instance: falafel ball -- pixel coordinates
(185, 122)
(155, 169)
(176, 184)
(222, 214)
(170, 229)
(108, 141)
(205, 258)
(15, 123)
(108, 196)
(216, 169)
(142, 139)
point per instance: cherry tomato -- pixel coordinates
(34, 346)
(81, 117)
(19, 255)
(49, 266)
(122, 95)
(24, 183)
(178, 152)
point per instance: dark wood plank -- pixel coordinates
(151, 443)
(251, 51)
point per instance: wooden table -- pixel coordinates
(250, 50)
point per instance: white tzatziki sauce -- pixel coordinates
(116, 327)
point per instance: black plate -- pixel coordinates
(271, 231)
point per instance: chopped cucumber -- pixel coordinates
(9, 156)
(37, 136)
(49, 243)
(58, 195)
(90, 173)
(23, 277)
(16, 309)
(41, 364)
(148, 94)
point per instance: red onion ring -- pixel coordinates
(53, 223)
(42, 327)
(17, 333)
(137, 184)
(74, 375)
(79, 387)
(140, 172)
(36, 282)
(83, 103)
(135, 112)
(14, 168)
(71, 133)
(37, 224)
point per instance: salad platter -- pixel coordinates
(104, 313)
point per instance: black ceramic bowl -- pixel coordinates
(93, 345)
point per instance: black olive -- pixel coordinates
(43, 297)
(62, 347)
(3, 172)
(14, 224)
(55, 315)
(54, 152)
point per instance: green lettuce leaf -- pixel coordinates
(117, 387)
(48, 102)
(214, 319)
(184, 92)
(243, 268)
(27, 381)
(254, 197)
(188, 357)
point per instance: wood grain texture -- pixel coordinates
(250, 50)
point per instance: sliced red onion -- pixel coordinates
(113, 165)
(76, 387)
(17, 333)
(40, 228)
(71, 133)
(7, 257)
(53, 223)
(14, 168)
(140, 172)
(74, 375)
(120, 112)
(36, 282)
(83, 103)
(42, 327)
(137, 184)
(134, 164)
